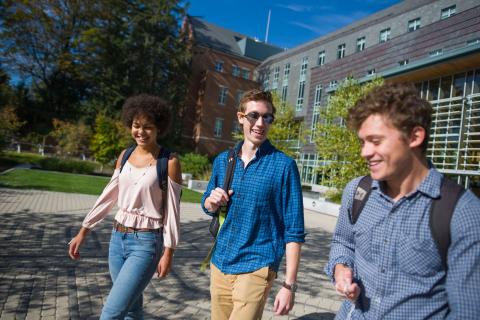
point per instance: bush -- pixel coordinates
(196, 164)
(64, 165)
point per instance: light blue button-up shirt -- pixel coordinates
(396, 261)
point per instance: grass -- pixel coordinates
(67, 182)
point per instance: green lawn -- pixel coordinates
(67, 182)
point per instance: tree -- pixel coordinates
(72, 138)
(109, 139)
(9, 124)
(38, 40)
(336, 144)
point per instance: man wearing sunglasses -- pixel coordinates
(264, 219)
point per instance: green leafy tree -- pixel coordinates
(109, 139)
(72, 138)
(196, 164)
(9, 125)
(337, 145)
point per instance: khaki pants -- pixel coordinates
(239, 296)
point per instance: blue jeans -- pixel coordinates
(132, 258)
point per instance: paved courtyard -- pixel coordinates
(39, 281)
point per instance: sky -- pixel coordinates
(292, 23)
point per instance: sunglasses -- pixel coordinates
(252, 117)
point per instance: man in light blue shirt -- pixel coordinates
(387, 264)
(264, 219)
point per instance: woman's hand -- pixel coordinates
(76, 243)
(165, 263)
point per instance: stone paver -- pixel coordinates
(39, 281)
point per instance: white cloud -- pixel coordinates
(295, 7)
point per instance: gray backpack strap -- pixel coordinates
(441, 213)
(361, 197)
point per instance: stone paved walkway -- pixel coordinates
(39, 281)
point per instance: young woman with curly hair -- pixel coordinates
(146, 226)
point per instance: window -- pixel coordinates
(301, 92)
(370, 72)
(286, 72)
(276, 76)
(284, 93)
(222, 96)
(403, 62)
(321, 58)
(217, 131)
(341, 51)
(303, 70)
(361, 44)
(435, 53)
(235, 70)
(266, 80)
(414, 24)
(236, 127)
(316, 111)
(385, 35)
(332, 84)
(473, 42)
(219, 66)
(245, 74)
(238, 97)
(448, 12)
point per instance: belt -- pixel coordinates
(121, 228)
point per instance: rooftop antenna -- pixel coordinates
(268, 25)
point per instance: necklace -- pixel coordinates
(142, 175)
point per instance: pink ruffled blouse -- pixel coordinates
(139, 199)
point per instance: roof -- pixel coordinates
(221, 39)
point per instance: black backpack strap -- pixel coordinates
(126, 155)
(361, 197)
(162, 168)
(441, 213)
(231, 160)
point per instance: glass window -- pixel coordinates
(245, 74)
(371, 72)
(433, 86)
(361, 44)
(219, 66)
(445, 87)
(476, 82)
(303, 70)
(238, 97)
(321, 58)
(301, 92)
(286, 72)
(469, 83)
(414, 24)
(222, 95)
(217, 131)
(385, 35)
(284, 93)
(266, 79)
(435, 52)
(448, 12)
(235, 70)
(341, 51)
(276, 76)
(403, 62)
(458, 85)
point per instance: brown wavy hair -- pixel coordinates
(398, 102)
(256, 95)
(154, 108)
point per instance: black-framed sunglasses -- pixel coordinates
(253, 116)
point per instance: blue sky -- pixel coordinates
(291, 22)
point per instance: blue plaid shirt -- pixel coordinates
(396, 261)
(265, 211)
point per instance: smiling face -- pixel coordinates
(388, 152)
(255, 131)
(144, 131)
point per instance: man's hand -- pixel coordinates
(218, 198)
(284, 302)
(165, 263)
(344, 284)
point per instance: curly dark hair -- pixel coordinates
(398, 102)
(256, 95)
(154, 108)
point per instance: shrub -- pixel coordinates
(64, 165)
(196, 164)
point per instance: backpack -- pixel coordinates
(162, 165)
(441, 211)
